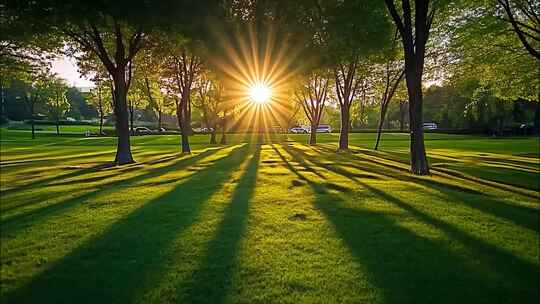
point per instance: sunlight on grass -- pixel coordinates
(263, 221)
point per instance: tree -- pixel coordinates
(135, 101)
(311, 95)
(148, 77)
(102, 100)
(35, 93)
(349, 37)
(524, 17)
(336, 34)
(22, 50)
(414, 27)
(209, 100)
(485, 44)
(183, 67)
(57, 102)
(115, 32)
(118, 64)
(392, 74)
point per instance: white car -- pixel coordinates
(324, 129)
(142, 130)
(298, 130)
(429, 126)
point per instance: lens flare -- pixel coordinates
(260, 93)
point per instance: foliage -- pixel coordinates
(57, 102)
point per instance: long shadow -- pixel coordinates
(45, 181)
(496, 184)
(80, 172)
(19, 221)
(213, 279)
(508, 186)
(114, 266)
(408, 268)
(52, 157)
(523, 216)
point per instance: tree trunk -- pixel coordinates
(419, 164)
(123, 150)
(414, 46)
(182, 122)
(344, 134)
(159, 120)
(187, 125)
(313, 135)
(384, 108)
(213, 137)
(223, 139)
(185, 143)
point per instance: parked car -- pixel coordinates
(207, 130)
(324, 129)
(142, 130)
(298, 130)
(429, 126)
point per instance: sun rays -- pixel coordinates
(260, 93)
(257, 70)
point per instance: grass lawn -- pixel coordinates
(270, 222)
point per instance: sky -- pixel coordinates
(66, 68)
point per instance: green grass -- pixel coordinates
(66, 129)
(277, 222)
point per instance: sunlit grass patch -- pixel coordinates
(268, 222)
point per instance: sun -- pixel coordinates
(260, 93)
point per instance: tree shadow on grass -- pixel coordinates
(382, 158)
(213, 279)
(83, 171)
(113, 267)
(13, 224)
(523, 216)
(409, 268)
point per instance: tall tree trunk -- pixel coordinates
(223, 139)
(213, 137)
(313, 134)
(384, 107)
(123, 150)
(414, 36)
(188, 114)
(344, 134)
(182, 120)
(419, 164)
(159, 120)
